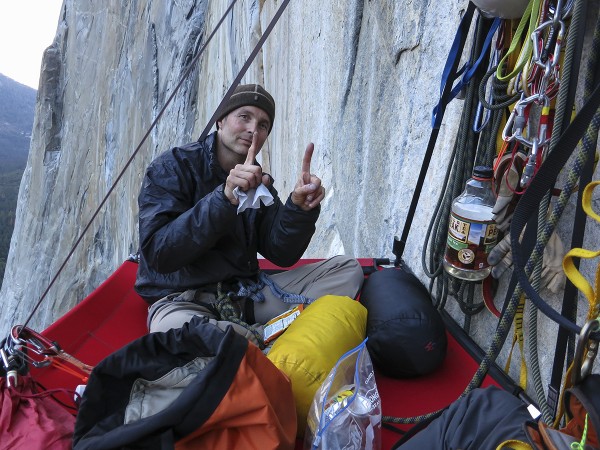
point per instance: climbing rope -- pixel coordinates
(546, 87)
(229, 311)
(459, 169)
(583, 155)
(562, 116)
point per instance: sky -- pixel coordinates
(27, 28)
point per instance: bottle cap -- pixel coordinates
(483, 172)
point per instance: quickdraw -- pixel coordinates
(25, 347)
(537, 76)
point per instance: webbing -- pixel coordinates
(467, 71)
(530, 19)
(564, 106)
(451, 67)
(572, 272)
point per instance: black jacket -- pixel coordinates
(191, 235)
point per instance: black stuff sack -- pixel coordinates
(407, 336)
(485, 418)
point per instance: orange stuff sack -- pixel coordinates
(195, 387)
(257, 412)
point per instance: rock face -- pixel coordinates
(358, 78)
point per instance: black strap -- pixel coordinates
(569, 303)
(541, 184)
(450, 74)
(242, 72)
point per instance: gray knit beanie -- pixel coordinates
(253, 95)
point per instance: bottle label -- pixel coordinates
(470, 242)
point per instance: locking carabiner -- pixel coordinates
(588, 347)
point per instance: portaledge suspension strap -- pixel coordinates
(242, 72)
(448, 91)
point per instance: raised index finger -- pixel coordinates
(307, 157)
(252, 150)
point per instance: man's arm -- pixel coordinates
(175, 231)
(285, 233)
(287, 230)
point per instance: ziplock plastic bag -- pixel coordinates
(346, 411)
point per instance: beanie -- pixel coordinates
(253, 95)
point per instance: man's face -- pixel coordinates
(237, 127)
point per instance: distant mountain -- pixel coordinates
(17, 106)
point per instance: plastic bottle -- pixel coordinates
(472, 232)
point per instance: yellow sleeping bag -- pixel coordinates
(314, 342)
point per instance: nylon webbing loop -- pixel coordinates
(529, 19)
(451, 71)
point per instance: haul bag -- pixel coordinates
(196, 386)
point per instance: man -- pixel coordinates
(198, 248)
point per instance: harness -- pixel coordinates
(225, 304)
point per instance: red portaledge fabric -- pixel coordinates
(113, 315)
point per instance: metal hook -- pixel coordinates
(582, 368)
(10, 367)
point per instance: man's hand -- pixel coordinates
(245, 176)
(308, 192)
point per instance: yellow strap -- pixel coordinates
(586, 200)
(514, 445)
(518, 337)
(530, 17)
(575, 276)
(578, 280)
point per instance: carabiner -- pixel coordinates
(10, 368)
(583, 367)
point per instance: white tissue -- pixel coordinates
(253, 197)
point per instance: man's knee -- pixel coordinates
(350, 271)
(165, 315)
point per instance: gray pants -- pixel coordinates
(339, 275)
